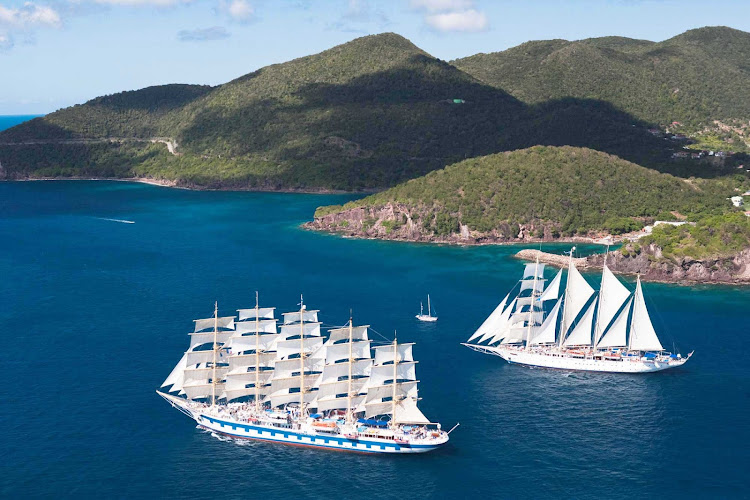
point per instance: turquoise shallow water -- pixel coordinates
(95, 314)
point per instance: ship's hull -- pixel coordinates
(303, 436)
(311, 439)
(565, 361)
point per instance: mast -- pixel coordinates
(563, 326)
(429, 310)
(531, 312)
(597, 333)
(257, 353)
(216, 332)
(395, 375)
(349, 390)
(301, 355)
(632, 319)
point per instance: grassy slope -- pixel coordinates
(576, 189)
(694, 78)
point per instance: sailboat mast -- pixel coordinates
(429, 309)
(301, 355)
(563, 326)
(531, 309)
(257, 353)
(349, 390)
(216, 332)
(597, 329)
(395, 375)
(632, 319)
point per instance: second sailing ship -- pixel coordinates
(607, 332)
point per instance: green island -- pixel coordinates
(545, 141)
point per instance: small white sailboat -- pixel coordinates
(426, 317)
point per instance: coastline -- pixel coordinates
(190, 187)
(671, 273)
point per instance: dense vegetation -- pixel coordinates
(576, 190)
(364, 115)
(714, 236)
(695, 78)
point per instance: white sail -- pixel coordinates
(337, 352)
(329, 389)
(404, 371)
(503, 325)
(262, 326)
(340, 334)
(260, 313)
(196, 357)
(309, 329)
(545, 334)
(408, 413)
(515, 334)
(384, 353)
(581, 333)
(334, 372)
(234, 380)
(294, 317)
(533, 270)
(241, 362)
(612, 295)
(177, 375)
(203, 374)
(203, 324)
(201, 338)
(264, 342)
(284, 397)
(278, 384)
(492, 322)
(308, 345)
(537, 285)
(553, 290)
(403, 389)
(616, 335)
(642, 334)
(202, 390)
(291, 367)
(340, 403)
(578, 292)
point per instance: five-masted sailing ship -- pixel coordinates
(578, 329)
(247, 377)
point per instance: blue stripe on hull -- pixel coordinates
(280, 435)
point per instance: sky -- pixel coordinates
(56, 53)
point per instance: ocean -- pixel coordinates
(95, 313)
(7, 121)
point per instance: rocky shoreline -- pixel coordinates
(399, 222)
(652, 266)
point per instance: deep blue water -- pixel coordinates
(95, 314)
(7, 121)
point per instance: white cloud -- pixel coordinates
(467, 21)
(6, 42)
(240, 10)
(442, 5)
(203, 35)
(29, 15)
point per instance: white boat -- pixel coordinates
(426, 317)
(245, 377)
(608, 331)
